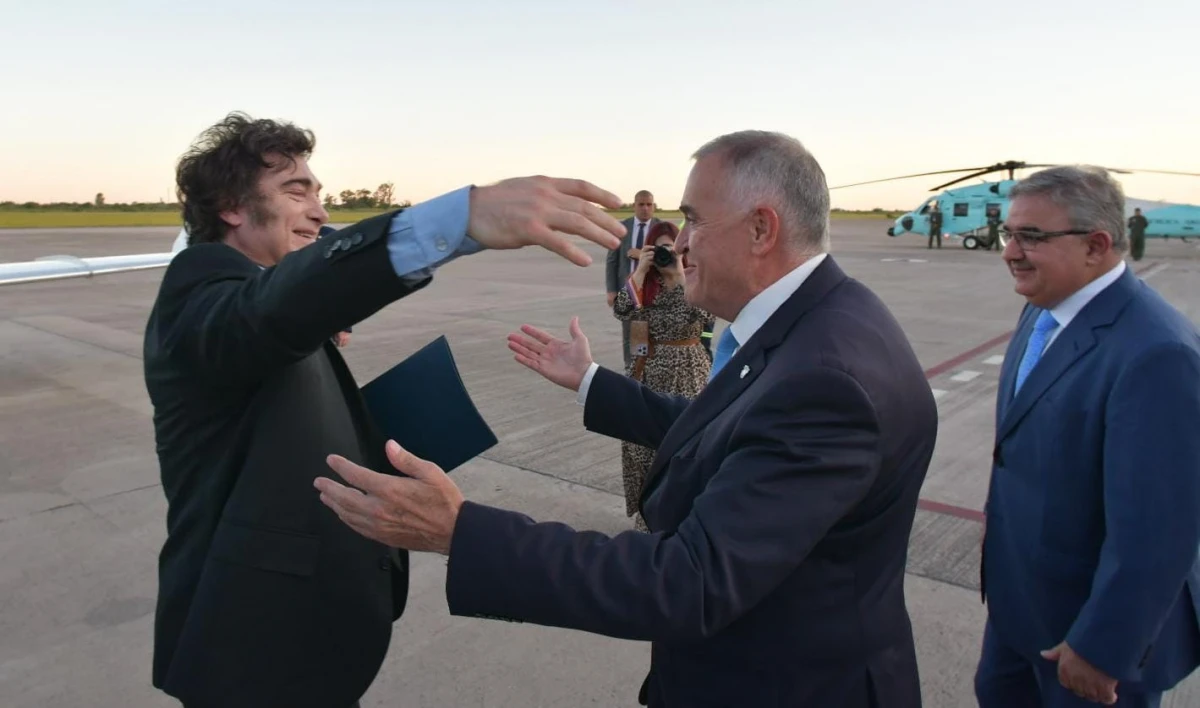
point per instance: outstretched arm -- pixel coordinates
(239, 322)
(797, 464)
(620, 407)
(241, 327)
(615, 405)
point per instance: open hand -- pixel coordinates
(564, 363)
(645, 260)
(541, 211)
(417, 512)
(1080, 677)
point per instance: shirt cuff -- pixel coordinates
(581, 399)
(433, 233)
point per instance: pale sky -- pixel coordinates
(104, 97)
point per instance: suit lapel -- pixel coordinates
(1072, 343)
(369, 436)
(751, 358)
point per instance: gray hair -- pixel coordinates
(778, 168)
(1091, 197)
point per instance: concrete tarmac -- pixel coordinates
(82, 512)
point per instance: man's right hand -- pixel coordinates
(564, 363)
(540, 211)
(612, 297)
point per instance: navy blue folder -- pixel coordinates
(422, 404)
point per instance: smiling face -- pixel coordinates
(717, 242)
(286, 214)
(1049, 270)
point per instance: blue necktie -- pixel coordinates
(1042, 328)
(725, 348)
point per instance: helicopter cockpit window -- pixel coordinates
(925, 209)
(961, 208)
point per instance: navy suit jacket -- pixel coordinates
(1093, 512)
(780, 503)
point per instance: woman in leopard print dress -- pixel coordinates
(673, 360)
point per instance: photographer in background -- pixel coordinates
(664, 338)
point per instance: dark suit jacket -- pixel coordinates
(780, 504)
(1093, 512)
(265, 597)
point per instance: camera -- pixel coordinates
(663, 256)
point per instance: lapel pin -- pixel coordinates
(745, 370)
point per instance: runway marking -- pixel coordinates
(996, 360)
(1147, 272)
(965, 376)
(938, 393)
(1153, 270)
(950, 510)
(967, 355)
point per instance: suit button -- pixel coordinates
(385, 563)
(441, 244)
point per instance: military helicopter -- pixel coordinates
(965, 210)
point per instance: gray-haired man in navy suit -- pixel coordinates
(780, 501)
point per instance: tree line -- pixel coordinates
(382, 197)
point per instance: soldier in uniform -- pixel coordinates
(935, 226)
(1137, 234)
(993, 230)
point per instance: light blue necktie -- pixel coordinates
(1042, 328)
(725, 348)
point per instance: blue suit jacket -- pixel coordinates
(1093, 512)
(781, 503)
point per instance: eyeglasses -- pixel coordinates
(1031, 238)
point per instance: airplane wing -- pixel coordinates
(59, 267)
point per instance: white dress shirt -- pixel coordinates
(1066, 310)
(633, 237)
(752, 316)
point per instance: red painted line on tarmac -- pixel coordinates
(969, 354)
(960, 511)
(995, 341)
(950, 510)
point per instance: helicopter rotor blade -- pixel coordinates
(1010, 167)
(922, 174)
(973, 175)
(1128, 170)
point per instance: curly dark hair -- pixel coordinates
(222, 168)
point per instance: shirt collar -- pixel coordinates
(1066, 310)
(763, 305)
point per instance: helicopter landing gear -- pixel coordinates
(975, 240)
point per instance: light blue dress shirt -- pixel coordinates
(431, 234)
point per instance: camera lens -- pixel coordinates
(663, 256)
